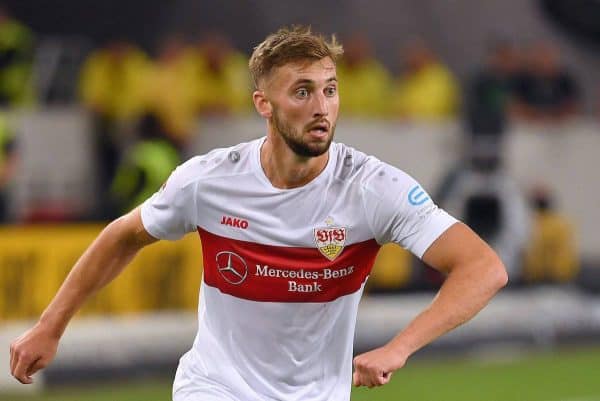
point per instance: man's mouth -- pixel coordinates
(319, 129)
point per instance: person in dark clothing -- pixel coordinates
(144, 167)
(8, 159)
(491, 90)
(546, 92)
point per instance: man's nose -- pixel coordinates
(321, 107)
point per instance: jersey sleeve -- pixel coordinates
(399, 210)
(170, 212)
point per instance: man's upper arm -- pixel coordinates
(456, 246)
(132, 226)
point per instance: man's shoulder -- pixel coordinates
(220, 162)
(367, 171)
(353, 163)
(348, 161)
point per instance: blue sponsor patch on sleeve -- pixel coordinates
(417, 196)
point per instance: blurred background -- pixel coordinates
(493, 106)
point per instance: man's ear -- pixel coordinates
(262, 104)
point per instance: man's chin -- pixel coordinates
(320, 143)
(319, 150)
(310, 149)
(319, 147)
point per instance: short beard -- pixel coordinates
(294, 141)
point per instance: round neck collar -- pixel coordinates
(260, 172)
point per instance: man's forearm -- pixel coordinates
(475, 274)
(100, 263)
(457, 301)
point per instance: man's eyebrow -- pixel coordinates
(311, 82)
(303, 81)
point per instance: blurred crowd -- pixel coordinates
(150, 107)
(146, 108)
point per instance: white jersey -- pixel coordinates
(284, 269)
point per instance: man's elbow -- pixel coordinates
(497, 274)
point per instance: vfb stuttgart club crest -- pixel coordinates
(330, 241)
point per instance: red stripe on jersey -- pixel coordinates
(271, 273)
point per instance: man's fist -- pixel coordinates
(375, 368)
(31, 352)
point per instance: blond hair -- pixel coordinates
(289, 45)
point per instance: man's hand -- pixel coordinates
(100, 263)
(375, 368)
(31, 352)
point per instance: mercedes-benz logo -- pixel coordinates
(232, 267)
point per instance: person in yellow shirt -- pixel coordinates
(364, 81)
(552, 253)
(426, 90)
(112, 82)
(113, 87)
(173, 89)
(16, 55)
(223, 79)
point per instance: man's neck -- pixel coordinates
(284, 168)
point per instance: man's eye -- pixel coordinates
(302, 92)
(331, 91)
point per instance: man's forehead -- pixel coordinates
(310, 66)
(323, 69)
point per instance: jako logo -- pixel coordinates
(234, 222)
(417, 196)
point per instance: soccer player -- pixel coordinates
(290, 225)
